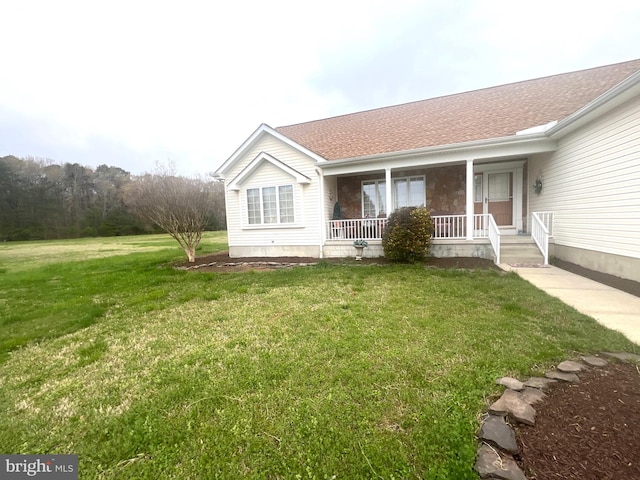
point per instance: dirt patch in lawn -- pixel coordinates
(588, 430)
(221, 262)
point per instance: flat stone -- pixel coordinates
(532, 395)
(625, 357)
(511, 403)
(511, 383)
(594, 361)
(495, 431)
(490, 464)
(565, 377)
(569, 366)
(540, 383)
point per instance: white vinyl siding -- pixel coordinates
(299, 212)
(592, 183)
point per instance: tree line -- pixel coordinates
(41, 200)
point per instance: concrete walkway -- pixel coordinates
(612, 308)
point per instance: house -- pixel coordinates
(552, 162)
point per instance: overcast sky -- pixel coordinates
(128, 83)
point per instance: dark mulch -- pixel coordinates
(623, 284)
(469, 263)
(586, 431)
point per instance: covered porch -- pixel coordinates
(473, 204)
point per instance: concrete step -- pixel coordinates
(519, 250)
(515, 239)
(522, 260)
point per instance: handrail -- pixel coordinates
(547, 220)
(540, 235)
(494, 237)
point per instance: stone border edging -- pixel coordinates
(248, 264)
(495, 459)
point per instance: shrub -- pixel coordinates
(407, 237)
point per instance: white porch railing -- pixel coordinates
(540, 232)
(547, 220)
(364, 228)
(494, 237)
(451, 227)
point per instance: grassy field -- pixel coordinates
(313, 373)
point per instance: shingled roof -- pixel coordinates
(480, 114)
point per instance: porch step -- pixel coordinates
(519, 249)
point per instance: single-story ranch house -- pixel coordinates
(551, 165)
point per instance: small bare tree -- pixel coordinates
(178, 205)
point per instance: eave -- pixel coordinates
(493, 148)
(262, 130)
(612, 98)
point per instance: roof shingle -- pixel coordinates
(476, 115)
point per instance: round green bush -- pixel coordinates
(407, 237)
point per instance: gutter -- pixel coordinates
(475, 144)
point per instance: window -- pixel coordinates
(477, 188)
(270, 205)
(499, 187)
(374, 197)
(409, 192)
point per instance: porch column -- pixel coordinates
(388, 187)
(469, 197)
(323, 229)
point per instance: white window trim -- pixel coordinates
(394, 192)
(277, 224)
(376, 182)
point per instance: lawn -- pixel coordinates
(318, 372)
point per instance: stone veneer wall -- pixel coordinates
(445, 190)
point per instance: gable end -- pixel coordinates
(260, 159)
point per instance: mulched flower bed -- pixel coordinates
(253, 263)
(587, 431)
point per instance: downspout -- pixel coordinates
(321, 203)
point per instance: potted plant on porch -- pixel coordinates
(360, 245)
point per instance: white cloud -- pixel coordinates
(191, 80)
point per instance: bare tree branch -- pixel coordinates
(180, 206)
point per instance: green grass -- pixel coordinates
(317, 372)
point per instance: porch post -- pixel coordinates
(388, 199)
(469, 199)
(323, 227)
